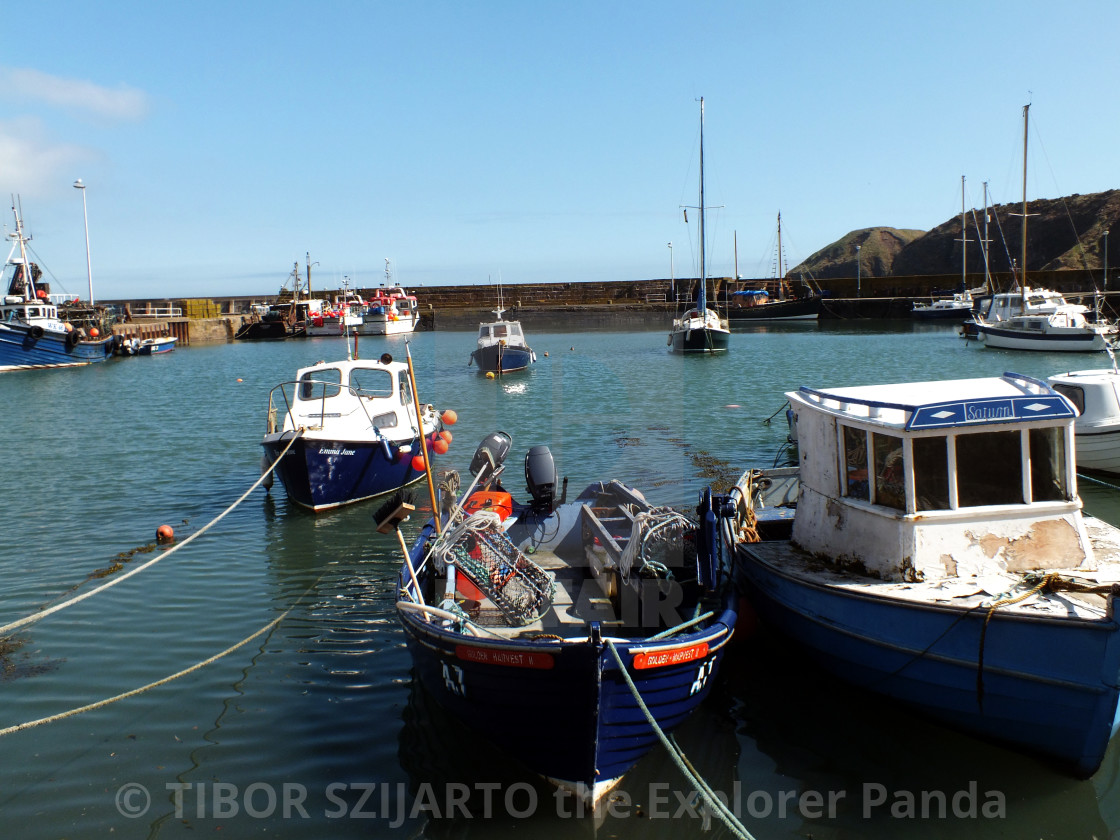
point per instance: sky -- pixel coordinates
(528, 141)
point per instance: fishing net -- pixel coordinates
(520, 589)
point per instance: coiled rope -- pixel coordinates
(7, 628)
(717, 806)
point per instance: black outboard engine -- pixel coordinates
(540, 478)
(490, 455)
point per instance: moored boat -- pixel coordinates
(346, 431)
(700, 329)
(1096, 396)
(938, 555)
(502, 347)
(959, 306)
(32, 333)
(392, 311)
(547, 626)
(780, 301)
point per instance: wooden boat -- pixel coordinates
(32, 333)
(934, 550)
(781, 301)
(346, 431)
(1096, 396)
(700, 329)
(540, 625)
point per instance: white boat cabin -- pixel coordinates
(501, 332)
(1029, 302)
(350, 398)
(930, 480)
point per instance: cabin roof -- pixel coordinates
(913, 406)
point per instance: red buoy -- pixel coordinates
(440, 446)
(418, 463)
(449, 417)
(165, 534)
(446, 435)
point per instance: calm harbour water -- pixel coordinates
(315, 729)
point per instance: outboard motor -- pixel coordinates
(540, 478)
(490, 455)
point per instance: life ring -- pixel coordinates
(36, 332)
(72, 339)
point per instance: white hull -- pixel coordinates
(1073, 342)
(1098, 448)
(380, 325)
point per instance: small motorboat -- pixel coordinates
(931, 547)
(502, 347)
(1096, 396)
(349, 430)
(136, 346)
(547, 626)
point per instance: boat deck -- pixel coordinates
(970, 593)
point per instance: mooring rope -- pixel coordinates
(7, 628)
(31, 724)
(725, 814)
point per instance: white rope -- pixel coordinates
(90, 707)
(7, 628)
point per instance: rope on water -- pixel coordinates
(725, 814)
(7, 628)
(31, 724)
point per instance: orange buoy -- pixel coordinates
(450, 417)
(418, 463)
(440, 446)
(94, 332)
(239, 380)
(165, 534)
(446, 435)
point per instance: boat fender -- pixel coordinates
(36, 332)
(389, 455)
(72, 339)
(265, 464)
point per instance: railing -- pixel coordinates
(150, 311)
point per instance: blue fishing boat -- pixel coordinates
(502, 347)
(32, 333)
(937, 553)
(547, 627)
(348, 430)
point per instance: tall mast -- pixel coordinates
(781, 271)
(309, 275)
(1023, 269)
(703, 267)
(987, 271)
(964, 243)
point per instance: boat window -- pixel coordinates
(1074, 394)
(1048, 465)
(931, 473)
(500, 330)
(855, 461)
(989, 469)
(406, 391)
(384, 421)
(367, 382)
(484, 331)
(315, 385)
(890, 487)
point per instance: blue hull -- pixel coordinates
(20, 351)
(570, 718)
(1048, 686)
(498, 359)
(321, 474)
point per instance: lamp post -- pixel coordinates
(672, 273)
(78, 185)
(858, 273)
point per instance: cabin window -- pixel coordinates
(406, 391)
(365, 382)
(1048, 465)
(1074, 394)
(384, 421)
(484, 332)
(931, 473)
(855, 463)
(989, 469)
(890, 486)
(315, 385)
(500, 330)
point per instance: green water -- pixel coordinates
(314, 729)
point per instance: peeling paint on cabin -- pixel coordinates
(990, 544)
(950, 565)
(1051, 544)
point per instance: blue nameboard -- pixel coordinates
(989, 410)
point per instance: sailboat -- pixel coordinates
(789, 304)
(961, 303)
(1065, 327)
(700, 329)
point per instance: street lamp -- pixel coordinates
(672, 273)
(78, 185)
(858, 293)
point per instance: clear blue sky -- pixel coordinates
(542, 141)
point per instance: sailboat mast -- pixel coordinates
(964, 244)
(987, 269)
(703, 268)
(1023, 270)
(28, 287)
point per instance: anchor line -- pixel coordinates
(30, 619)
